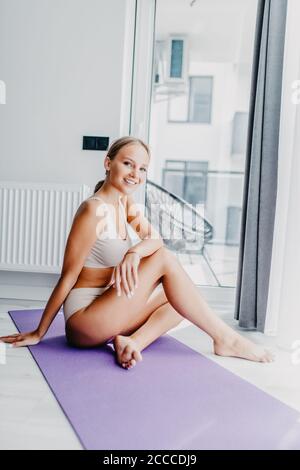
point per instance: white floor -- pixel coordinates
(32, 419)
(217, 266)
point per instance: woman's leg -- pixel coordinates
(160, 322)
(186, 299)
(110, 315)
(163, 319)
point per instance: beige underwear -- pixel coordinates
(80, 297)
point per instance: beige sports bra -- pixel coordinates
(108, 249)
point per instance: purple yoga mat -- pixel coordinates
(174, 399)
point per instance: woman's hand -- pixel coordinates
(125, 275)
(22, 339)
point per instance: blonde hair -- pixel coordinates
(116, 146)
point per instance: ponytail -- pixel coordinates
(98, 186)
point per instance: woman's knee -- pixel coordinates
(164, 255)
(158, 262)
(167, 258)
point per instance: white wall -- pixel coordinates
(62, 63)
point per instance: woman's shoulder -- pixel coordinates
(94, 199)
(92, 202)
(88, 207)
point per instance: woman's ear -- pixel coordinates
(107, 163)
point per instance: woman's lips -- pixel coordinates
(129, 184)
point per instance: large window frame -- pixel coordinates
(141, 98)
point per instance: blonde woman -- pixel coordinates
(108, 285)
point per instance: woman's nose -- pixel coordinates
(134, 174)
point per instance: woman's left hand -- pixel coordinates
(126, 274)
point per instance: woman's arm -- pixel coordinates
(56, 299)
(60, 292)
(146, 247)
(151, 240)
(87, 224)
(125, 275)
(83, 233)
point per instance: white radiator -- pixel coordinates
(35, 222)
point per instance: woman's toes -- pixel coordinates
(137, 355)
(130, 364)
(127, 353)
(269, 356)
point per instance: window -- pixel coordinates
(233, 225)
(196, 105)
(200, 99)
(176, 58)
(176, 68)
(210, 102)
(239, 133)
(187, 179)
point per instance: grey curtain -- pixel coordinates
(260, 183)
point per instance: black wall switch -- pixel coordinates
(95, 143)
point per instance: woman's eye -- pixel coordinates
(129, 163)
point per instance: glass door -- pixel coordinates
(195, 118)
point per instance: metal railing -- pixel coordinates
(181, 225)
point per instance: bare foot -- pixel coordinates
(127, 351)
(238, 346)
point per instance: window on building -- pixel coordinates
(194, 106)
(176, 64)
(187, 179)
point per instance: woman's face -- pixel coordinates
(128, 170)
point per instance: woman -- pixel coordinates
(108, 285)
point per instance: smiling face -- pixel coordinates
(128, 169)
